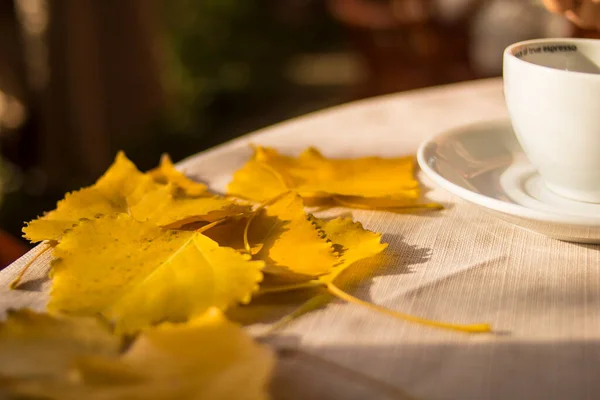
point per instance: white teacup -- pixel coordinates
(552, 91)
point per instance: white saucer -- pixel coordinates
(485, 165)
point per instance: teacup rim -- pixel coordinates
(508, 53)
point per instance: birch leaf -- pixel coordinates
(164, 196)
(364, 177)
(136, 274)
(121, 187)
(352, 242)
(355, 244)
(292, 247)
(314, 176)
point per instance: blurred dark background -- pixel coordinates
(81, 79)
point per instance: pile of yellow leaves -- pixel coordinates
(145, 265)
(59, 357)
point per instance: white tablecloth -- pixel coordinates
(542, 296)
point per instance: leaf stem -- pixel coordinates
(476, 328)
(312, 304)
(292, 287)
(211, 225)
(15, 283)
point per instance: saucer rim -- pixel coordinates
(486, 201)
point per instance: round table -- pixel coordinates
(461, 264)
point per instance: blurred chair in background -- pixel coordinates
(404, 45)
(409, 44)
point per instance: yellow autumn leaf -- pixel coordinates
(209, 358)
(314, 176)
(62, 358)
(124, 189)
(121, 187)
(164, 196)
(136, 274)
(354, 244)
(166, 173)
(165, 208)
(365, 177)
(292, 247)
